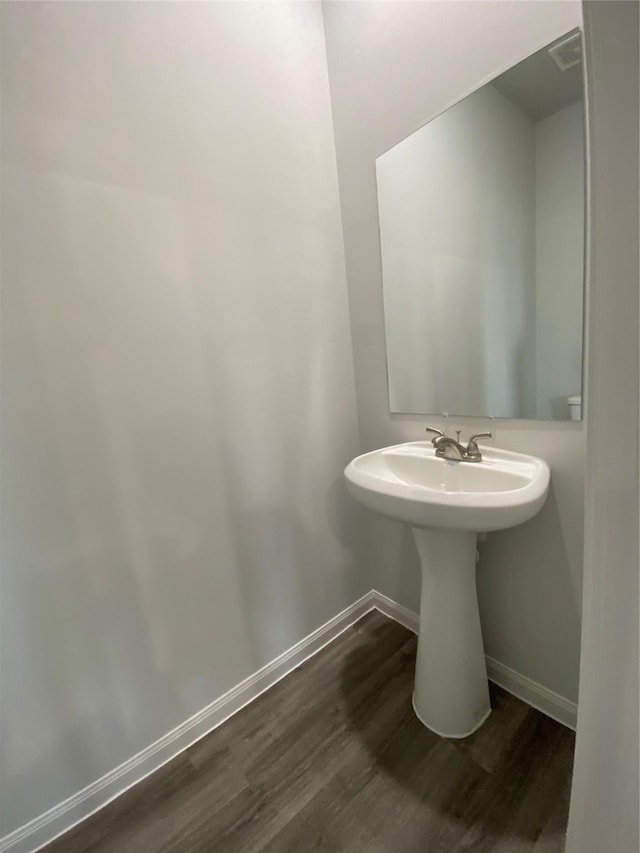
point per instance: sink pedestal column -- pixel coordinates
(451, 692)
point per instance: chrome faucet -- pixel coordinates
(450, 448)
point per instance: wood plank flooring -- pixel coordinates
(333, 759)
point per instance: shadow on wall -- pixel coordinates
(393, 558)
(515, 599)
(453, 793)
(292, 576)
(83, 711)
(283, 426)
(172, 520)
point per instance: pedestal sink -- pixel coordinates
(447, 503)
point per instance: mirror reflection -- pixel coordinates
(482, 233)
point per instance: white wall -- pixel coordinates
(559, 260)
(392, 68)
(178, 392)
(605, 795)
(457, 225)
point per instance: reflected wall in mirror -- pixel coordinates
(482, 233)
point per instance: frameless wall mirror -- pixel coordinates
(482, 232)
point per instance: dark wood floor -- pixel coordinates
(333, 759)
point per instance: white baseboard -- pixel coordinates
(395, 611)
(550, 703)
(63, 817)
(534, 694)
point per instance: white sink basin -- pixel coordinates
(409, 483)
(447, 503)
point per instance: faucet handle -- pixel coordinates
(438, 433)
(472, 445)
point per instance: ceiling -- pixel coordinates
(538, 87)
